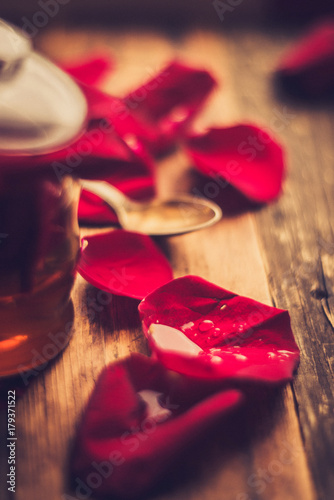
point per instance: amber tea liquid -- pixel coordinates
(39, 245)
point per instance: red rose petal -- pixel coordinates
(245, 155)
(90, 70)
(200, 329)
(128, 171)
(308, 67)
(104, 107)
(101, 154)
(124, 263)
(165, 105)
(128, 167)
(127, 440)
(92, 209)
(109, 114)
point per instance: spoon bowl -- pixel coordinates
(182, 214)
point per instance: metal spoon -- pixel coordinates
(181, 214)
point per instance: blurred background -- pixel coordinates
(31, 14)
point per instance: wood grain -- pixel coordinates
(297, 242)
(281, 254)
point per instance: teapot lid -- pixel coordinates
(41, 107)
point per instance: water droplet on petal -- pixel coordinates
(223, 307)
(271, 355)
(216, 332)
(240, 357)
(285, 354)
(205, 325)
(241, 328)
(187, 326)
(131, 141)
(216, 359)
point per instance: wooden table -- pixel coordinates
(281, 254)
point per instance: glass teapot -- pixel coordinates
(41, 111)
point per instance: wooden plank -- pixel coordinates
(297, 242)
(240, 460)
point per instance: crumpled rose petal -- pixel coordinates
(307, 69)
(109, 111)
(136, 177)
(123, 263)
(200, 329)
(166, 104)
(244, 155)
(139, 420)
(90, 70)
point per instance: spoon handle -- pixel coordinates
(111, 195)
